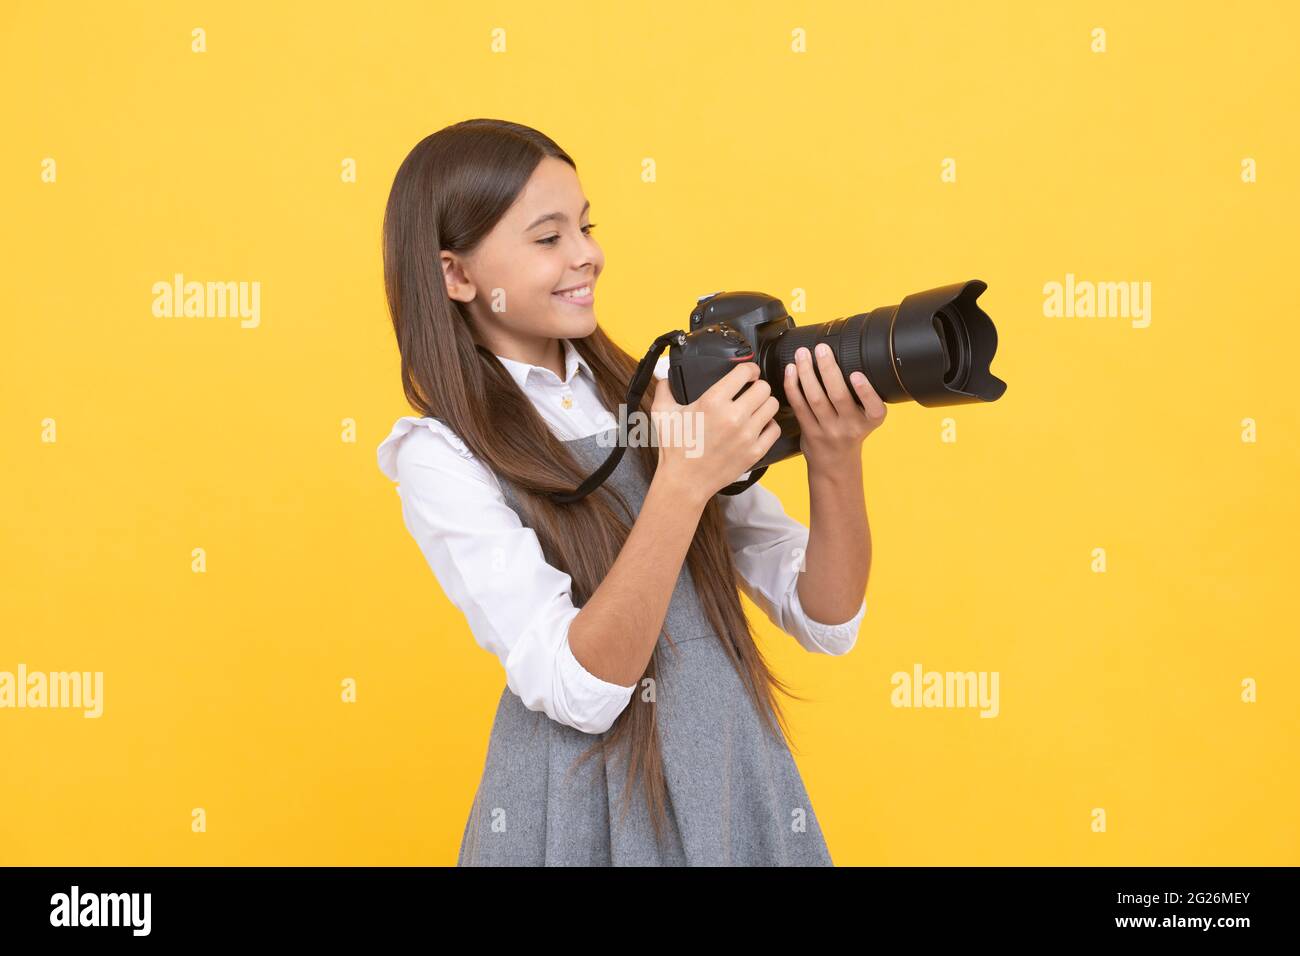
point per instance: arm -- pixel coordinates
(832, 428)
(619, 626)
(769, 549)
(616, 632)
(838, 559)
(518, 606)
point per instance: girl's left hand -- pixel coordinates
(832, 425)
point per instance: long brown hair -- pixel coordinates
(449, 192)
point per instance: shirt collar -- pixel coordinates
(520, 371)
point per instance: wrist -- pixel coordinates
(685, 493)
(844, 471)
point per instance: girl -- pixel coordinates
(639, 723)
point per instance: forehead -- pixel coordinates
(553, 187)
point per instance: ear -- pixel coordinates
(459, 286)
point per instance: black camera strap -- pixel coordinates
(635, 390)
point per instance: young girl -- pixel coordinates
(639, 723)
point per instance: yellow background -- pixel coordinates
(776, 171)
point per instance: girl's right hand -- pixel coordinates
(708, 444)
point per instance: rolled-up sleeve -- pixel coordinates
(491, 567)
(769, 547)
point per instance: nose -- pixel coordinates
(586, 259)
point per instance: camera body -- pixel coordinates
(933, 348)
(726, 328)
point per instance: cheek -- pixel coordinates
(524, 291)
(540, 275)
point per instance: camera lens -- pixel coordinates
(954, 341)
(933, 348)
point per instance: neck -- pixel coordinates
(544, 352)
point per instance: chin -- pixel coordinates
(576, 328)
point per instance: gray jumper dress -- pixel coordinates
(735, 797)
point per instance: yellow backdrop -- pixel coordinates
(192, 507)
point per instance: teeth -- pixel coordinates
(576, 293)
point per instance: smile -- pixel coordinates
(580, 296)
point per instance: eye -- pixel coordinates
(550, 240)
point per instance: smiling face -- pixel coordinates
(510, 282)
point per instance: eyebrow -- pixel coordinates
(555, 215)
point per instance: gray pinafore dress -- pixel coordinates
(735, 797)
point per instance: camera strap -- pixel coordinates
(635, 390)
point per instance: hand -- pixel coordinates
(832, 425)
(708, 444)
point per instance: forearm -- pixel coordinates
(616, 631)
(837, 561)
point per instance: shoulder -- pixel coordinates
(416, 440)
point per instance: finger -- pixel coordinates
(763, 414)
(735, 380)
(872, 403)
(751, 399)
(794, 398)
(813, 392)
(833, 381)
(764, 442)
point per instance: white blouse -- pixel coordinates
(518, 605)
